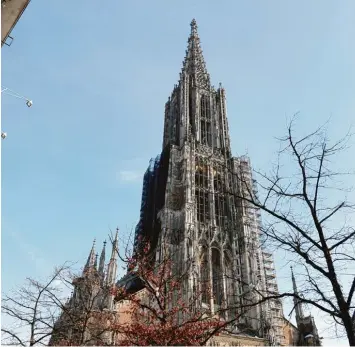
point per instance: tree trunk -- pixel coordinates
(349, 327)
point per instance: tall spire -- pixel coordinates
(102, 260)
(115, 246)
(112, 265)
(194, 63)
(91, 258)
(297, 302)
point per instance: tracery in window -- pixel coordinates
(216, 277)
(206, 136)
(205, 107)
(228, 275)
(220, 209)
(219, 198)
(201, 174)
(204, 276)
(205, 115)
(202, 190)
(203, 207)
(217, 180)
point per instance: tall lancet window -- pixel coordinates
(201, 174)
(201, 191)
(204, 276)
(229, 279)
(220, 209)
(203, 206)
(219, 198)
(216, 277)
(205, 115)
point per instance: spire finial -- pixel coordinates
(193, 25)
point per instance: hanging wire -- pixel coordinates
(11, 92)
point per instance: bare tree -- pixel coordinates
(84, 319)
(162, 311)
(31, 311)
(40, 313)
(301, 218)
(160, 299)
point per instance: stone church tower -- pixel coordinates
(189, 201)
(190, 205)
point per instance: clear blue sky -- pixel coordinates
(99, 75)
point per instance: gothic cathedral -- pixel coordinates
(191, 201)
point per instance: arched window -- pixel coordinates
(228, 276)
(216, 277)
(201, 174)
(203, 205)
(219, 199)
(217, 180)
(205, 107)
(220, 209)
(201, 191)
(204, 276)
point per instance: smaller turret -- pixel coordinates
(308, 333)
(112, 265)
(102, 261)
(297, 302)
(91, 259)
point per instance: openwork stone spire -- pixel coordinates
(194, 63)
